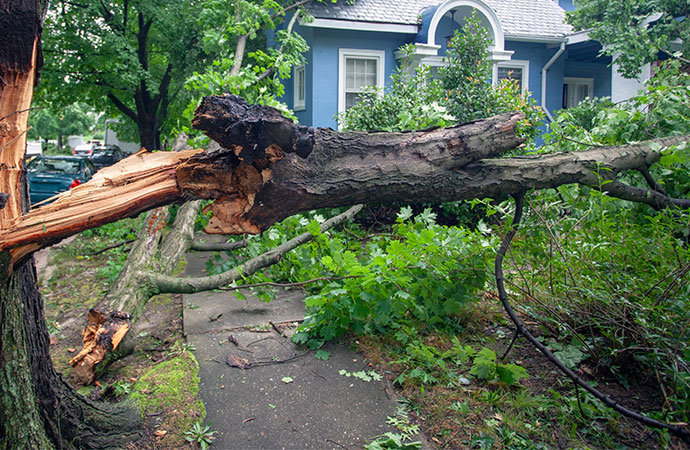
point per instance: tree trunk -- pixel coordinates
(38, 410)
(149, 132)
(271, 168)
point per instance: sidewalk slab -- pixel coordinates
(319, 409)
(212, 311)
(255, 408)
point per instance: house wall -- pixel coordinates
(304, 116)
(322, 68)
(600, 72)
(538, 54)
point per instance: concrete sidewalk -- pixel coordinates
(286, 399)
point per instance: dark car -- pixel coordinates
(106, 156)
(50, 175)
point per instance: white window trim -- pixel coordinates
(514, 63)
(578, 80)
(343, 53)
(299, 104)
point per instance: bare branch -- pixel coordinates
(169, 284)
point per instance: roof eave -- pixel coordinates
(535, 38)
(356, 25)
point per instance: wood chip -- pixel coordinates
(160, 433)
(236, 361)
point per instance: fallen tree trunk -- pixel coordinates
(260, 177)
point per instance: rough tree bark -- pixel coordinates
(38, 410)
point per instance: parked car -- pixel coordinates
(106, 155)
(84, 149)
(50, 175)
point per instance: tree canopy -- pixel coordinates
(636, 32)
(128, 57)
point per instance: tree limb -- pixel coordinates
(126, 110)
(174, 285)
(270, 168)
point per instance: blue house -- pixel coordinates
(353, 46)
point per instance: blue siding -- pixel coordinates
(322, 72)
(538, 55)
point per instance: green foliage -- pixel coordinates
(121, 388)
(201, 435)
(635, 31)
(612, 282)
(486, 367)
(258, 81)
(411, 103)
(137, 52)
(424, 274)
(467, 70)
(417, 99)
(397, 441)
(47, 123)
(322, 355)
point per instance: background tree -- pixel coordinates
(636, 32)
(129, 57)
(45, 123)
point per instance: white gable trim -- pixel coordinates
(479, 5)
(361, 26)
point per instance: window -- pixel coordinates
(357, 70)
(300, 89)
(576, 89)
(513, 70)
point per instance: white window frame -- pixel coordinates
(345, 53)
(299, 104)
(522, 64)
(575, 81)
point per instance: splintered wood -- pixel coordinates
(102, 335)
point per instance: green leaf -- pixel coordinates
(322, 355)
(287, 380)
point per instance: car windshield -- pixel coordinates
(104, 153)
(54, 166)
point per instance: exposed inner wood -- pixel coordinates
(102, 335)
(16, 92)
(135, 184)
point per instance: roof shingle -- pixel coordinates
(542, 18)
